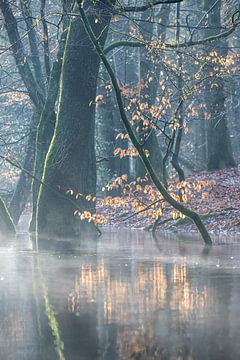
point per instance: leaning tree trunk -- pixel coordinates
(220, 154)
(165, 194)
(23, 188)
(70, 163)
(6, 223)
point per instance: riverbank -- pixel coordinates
(214, 195)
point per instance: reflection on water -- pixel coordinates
(123, 297)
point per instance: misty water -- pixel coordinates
(124, 296)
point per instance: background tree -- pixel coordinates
(6, 223)
(219, 146)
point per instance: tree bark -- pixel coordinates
(219, 148)
(34, 90)
(35, 58)
(46, 126)
(175, 157)
(23, 188)
(70, 163)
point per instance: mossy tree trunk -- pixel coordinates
(46, 127)
(6, 223)
(70, 163)
(32, 78)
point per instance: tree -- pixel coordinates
(219, 146)
(46, 126)
(22, 190)
(70, 165)
(34, 83)
(6, 223)
(180, 114)
(35, 73)
(178, 206)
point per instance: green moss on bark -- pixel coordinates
(70, 162)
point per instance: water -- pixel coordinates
(126, 296)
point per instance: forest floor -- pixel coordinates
(218, 202)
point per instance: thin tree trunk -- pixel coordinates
(35, 58)
(175, 157)
(23, 188)
(6, 223)
(33, 84)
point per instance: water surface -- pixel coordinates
(125, 296)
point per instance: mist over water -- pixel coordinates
(123, 296)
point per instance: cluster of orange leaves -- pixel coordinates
(130, 151)
(141, 198)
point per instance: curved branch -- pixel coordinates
(147, 6)
(164, 46)
(120, 43)
(163, 191)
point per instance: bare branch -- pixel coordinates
(17, 48)
(164, 46)
(45, 40)
(147, 6)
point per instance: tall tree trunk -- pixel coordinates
(47, 121)
(6, 223)
(23, 187)
(200, 150)
(175, 157)
(219, 147)
(70, 163)
(35, 88)
(32, 36)
(46, 126)
(106, 116)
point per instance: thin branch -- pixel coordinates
(141, 211)
(45, 40)
(147, 6)
(164, 46)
